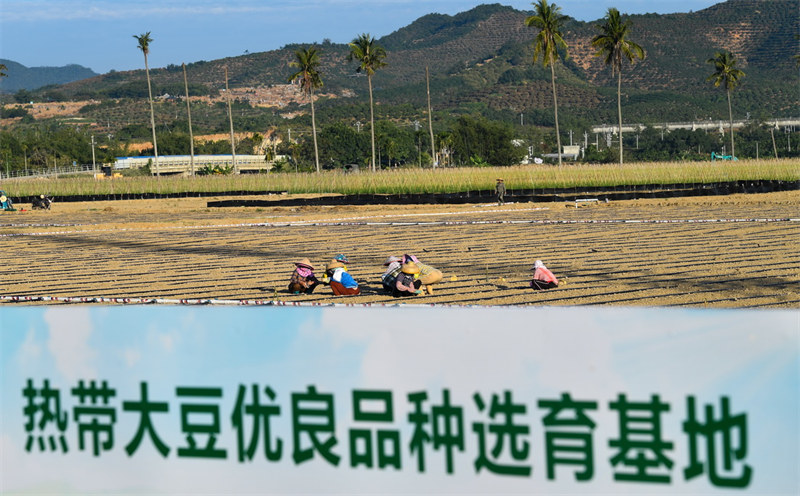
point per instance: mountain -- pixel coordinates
(480, 60)
(32, 78)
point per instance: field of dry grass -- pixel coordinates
(738, 251)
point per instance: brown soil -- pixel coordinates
(180, 249)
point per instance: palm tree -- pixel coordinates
(307, 62)
(547, 18)
(144, 45)
(370, 57)
(726, 74)
(612, 43)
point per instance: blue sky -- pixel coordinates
(99, 33)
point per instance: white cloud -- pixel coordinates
(479, 348)
(46, 10)
(167, 342)
(30, 350)
(131, 356)
(68, 342)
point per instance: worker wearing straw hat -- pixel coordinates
(303, 278)
(407, 282)
(342, 283)
(428, 275)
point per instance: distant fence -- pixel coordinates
(719, 125)
(182, 164)
(52, 172)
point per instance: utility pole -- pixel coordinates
(230, 120)
(774, 146)
(570, 137)
(94, 165)
(789, 139)
(521, 119)
(189, 113)
(430, 117)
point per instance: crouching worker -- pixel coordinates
(542, 277)
(428, 276)
(389, 277)
(407, 282)
(342, 283)
(5, 202)
(43, 202)
(303, 278)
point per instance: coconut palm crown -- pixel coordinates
(307, 63)
(727, 75)
(144, 41)
(613, 44)
(548, 19)
(370, 57)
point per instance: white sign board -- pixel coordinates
(198, 400)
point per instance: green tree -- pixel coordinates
(370, 57)
(547, 18)
(727, 75)
(307, 63)
(613, 45)
(3, 70)
(144, 41)
(481, 141)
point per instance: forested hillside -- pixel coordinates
(482, 77)
(484, 55)
(31, 78)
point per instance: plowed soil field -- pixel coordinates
(740, 251)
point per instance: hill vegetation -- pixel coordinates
(480, 67)
(32, 78)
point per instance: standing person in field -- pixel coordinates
(500, 190)
(428, 276)
(303, 278)
(342, 283)
(542, 277)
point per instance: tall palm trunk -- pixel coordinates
(314, 127)
(555, 108)
(152, 114)
(619, 111)
(730, 119)
(371, 122)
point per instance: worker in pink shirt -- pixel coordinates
(542, 277)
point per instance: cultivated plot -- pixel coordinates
(741, 251)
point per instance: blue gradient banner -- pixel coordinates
(197, 400)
